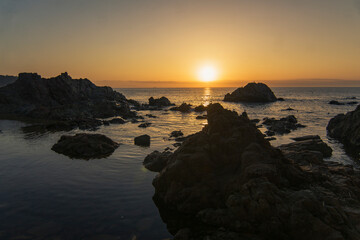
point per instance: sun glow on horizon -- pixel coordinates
(207, 73)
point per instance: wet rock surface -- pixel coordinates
(228, 182)
(200, 108)
(346, 128)
(143, 140)
(252, 92)
(145, 125)
(175, 134)
(85, 146)
(281, 126)
(156, 160)
(117, 121)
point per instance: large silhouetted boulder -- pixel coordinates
(346, 128)
(159, 102)
(60, 98)
(252, 92)
(85, 146)
(228, 182)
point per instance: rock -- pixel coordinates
(281, 99)
(352, 103)
(1, 131)
(150, 116)
(270, 133)
(346, 129)
(288, 109)
(282, 126)
(255, 120)
(85, 146)
(117, 121)
(145, 125)
(252, 92)
(333, 102)
(61, 99)
(202, 117)
(177, 144)
(6, 80)
(182, 108)
(270, 138)
(143, 140)
(306, 148)
(200, 108)
(228, 182)
(156, 160)
(159, 102)
(176, 134)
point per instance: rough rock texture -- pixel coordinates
(143, 140)
(159, 102)
(252, 92)
(60, 98)
(228, 182)
(281, 126)
(6, 80)
(182, 108)
(85, 146)
(156, 160)
(176, 134)
(346, 128)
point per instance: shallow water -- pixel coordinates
(45, 195)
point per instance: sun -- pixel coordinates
(207, 73)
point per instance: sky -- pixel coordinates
(163, 43)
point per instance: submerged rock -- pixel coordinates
(281, 126)
(334, 102)
(346, 128)
(182, 108)
(85, 146)
(156, 160)
(159, 102)
(201, 117)
(252, 92)
(143, 140)
(228, 182)
(117, 121)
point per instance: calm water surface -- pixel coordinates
(44, 195)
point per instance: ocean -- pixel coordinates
(45, 195)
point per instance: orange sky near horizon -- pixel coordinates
(165, 42)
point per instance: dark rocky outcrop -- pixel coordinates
(334, 102)
(143, 140)
(156, 160)
(145, 125)
(200, 108)
(6, 80)
(117, 121)
(228, 182)
(184, 108)
(60, 98)
(85, 146)
(281, 126)
(176, 134)
(252, 92)
(159, 102)
(346, 128)
(201, 117)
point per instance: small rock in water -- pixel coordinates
(117, 121)
(176, 134)
(144, 125)
(333, 102)
(182, 108)
(270, 138)
(150, 116)
(282, 126)
(201, 117)
(143, 140)
(288, 109)
(200, 108)
(159, 102)
(352, 103)
(85, 146)
(281, 99)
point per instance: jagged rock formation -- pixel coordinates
(252, 92)
(60, 98)
(282, 125)
(184, 108)
(85, 146)
(228, 182)
(346, 128)
(159, 102)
